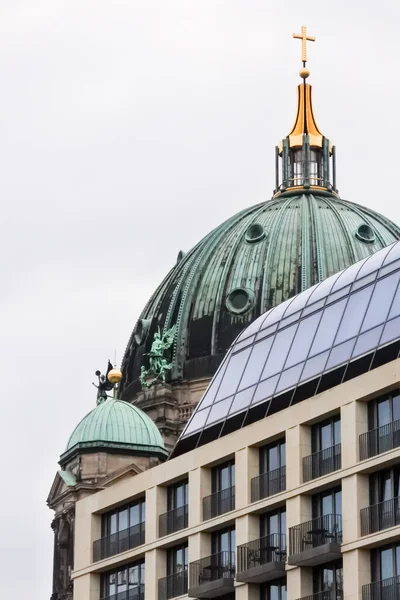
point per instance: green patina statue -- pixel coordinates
(158, 365)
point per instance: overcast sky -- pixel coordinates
(128, 129)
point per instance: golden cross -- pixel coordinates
(304, 39)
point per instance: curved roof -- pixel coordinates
(117, 425)
(318, 337)
(253, 261)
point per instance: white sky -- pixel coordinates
(128, 129)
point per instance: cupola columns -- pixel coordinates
(305, 159)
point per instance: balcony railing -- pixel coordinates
(333, 594)
(173, 520)
(268, 484)
(380, 516)
(218, 503)
(380, 440)
(118, 542)
(173, 585)
(271, 548)
(386, 589)
(314, 533)
(134, 593)
(214, 567)
(323, 462)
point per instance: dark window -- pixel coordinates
(124, 518)
(177, 559)
(325, 434)
(223, 477)
(328, 577)
(128, 581)
(274, 591)
(384, 485)
(383, 411)
(224, 541)
(273, 456)
(386, 563)
(178, 495)
(327, 503)
(273, 522)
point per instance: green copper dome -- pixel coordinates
(116, 425)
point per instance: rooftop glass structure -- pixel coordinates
(319, 338)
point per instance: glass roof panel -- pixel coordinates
(336, 332)
(393, 254)
(348, 275)
(252, 328)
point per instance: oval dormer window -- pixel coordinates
(240, 300)
(365, 233)
(255, 233)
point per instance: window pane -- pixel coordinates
(387, 563)
(367, 341)
(384, 416)
(256, 363)
(279, 350)
(314, 366)
(348, 275)
(233, 374)
(391, 331)
(289, 378)
(323, 289)
(219, 410)
(353, 314)
(326, 436)
(273, 458)
(242, 399)
(123, 520)
(303, 339)
(134, 515)
(265, 389)
(396, 409)
(340, 354)
(282, 447)
(113, 524)
(395, 308)
(336, 432)
(374, 262)
(328, 327)
(209, 396)
(197, 421)
(380, 301)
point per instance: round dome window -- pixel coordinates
(365, 233)
(141, 330)
(255, 233)
(240, 300)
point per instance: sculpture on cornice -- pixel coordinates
(158, 364)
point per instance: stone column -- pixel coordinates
(299, 582)
(298, 445)
(355, 496)
(353, 422)
(155, 569)
(156, 504)
(247, 466)
(247, 591)
(87, 587)
(356, 573)
(199, 487)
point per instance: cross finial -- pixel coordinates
(304, 39)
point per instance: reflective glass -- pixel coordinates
(219, 410)
(276, 313)
(348, 275)
(373, 263)
(314, 307)
(340, 354)
(279, 350)
(339, 294)
(393, 254)
(290, 319)
(233, 374)
(389, 268)
(323, 289)
(391, 331)
(242, 399)
(367, 341)
(381, 301)
(252, 328)
(197, 421)
(395, 308)
(303, 339)
(314, 366)
(209, 396)
(364, 281)
(300, 301)
(289, 378)
(256, 363)
(328, 327)
(265, 389)
(243, 344)
(354, 314)
(266, 332)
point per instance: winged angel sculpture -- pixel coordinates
(158, 365)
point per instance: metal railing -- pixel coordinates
(119, 542)
(218, 503)
(173, 520)
(333, 594)
(173, 585)
(214, 567)
(134, 593)
(267, 484)
(322, 462)
(314, 533)
(386, 589)
(271, 548)
(379, 440)
(380, 516)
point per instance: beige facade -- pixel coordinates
(349, 400)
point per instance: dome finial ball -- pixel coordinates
(114, 376)
(304, 73)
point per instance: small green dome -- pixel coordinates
(116, 425)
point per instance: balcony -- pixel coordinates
(173, 585)
(334, 594)
(218, 503)
(118, 542)
(262, 560)
(380, 516)
(213, 576)
(134, 593)
(315, 542)
(268, 484)
(321, 463)
(386, 589)
(173, 520)
(379, 440)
